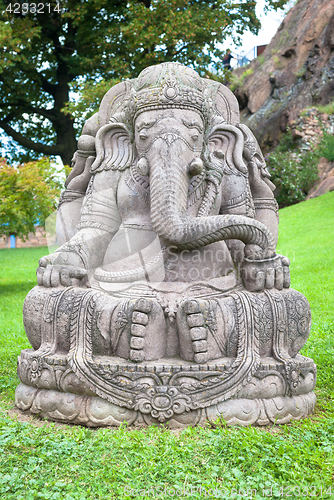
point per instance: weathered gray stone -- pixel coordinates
(166, 301)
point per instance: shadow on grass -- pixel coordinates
(14, 288)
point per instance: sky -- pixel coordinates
(270, 23)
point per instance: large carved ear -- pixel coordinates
(114, 149)
(223, 102)
(227, 142)
(114, 101)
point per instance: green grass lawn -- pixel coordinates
(51, 461)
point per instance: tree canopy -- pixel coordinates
(28, 194)
(49, 49)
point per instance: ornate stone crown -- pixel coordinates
(167, 85)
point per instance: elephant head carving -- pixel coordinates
(172, 125)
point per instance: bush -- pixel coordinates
(326, 146)
(293, 175)
(327, 108)
(28, 194)
(238, 81)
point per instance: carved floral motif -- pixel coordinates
(162, 402)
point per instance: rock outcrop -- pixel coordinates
(309, 127)
(295, 71)
(308, 130)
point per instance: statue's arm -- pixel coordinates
(265, 204)
(262, 189)
(272, 270)
(99, 221)
(252, 195)
(236, 199)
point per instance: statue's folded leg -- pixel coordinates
(138, 329)
(244, 344)
(54, 319)
(208, 329)
(247, 328)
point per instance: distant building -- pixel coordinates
(260, 49)
(34, 240)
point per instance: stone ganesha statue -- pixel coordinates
(166, 301)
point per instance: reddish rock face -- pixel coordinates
(326, 179)
(295, 71)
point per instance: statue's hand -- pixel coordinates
(260, 274)
(261, 187)
(61, 269)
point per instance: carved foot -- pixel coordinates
(194, 310)
(143, 330)
(203, 326)
(139, 321)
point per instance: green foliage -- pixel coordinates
(301, 72)
(286, 144)
(237, 81)
(80, 464)
(39, 460)
(91, 45)
(277, 61)
(28, 194)
(326, 146)
(327, 108)
(293, 173)
(89, 96)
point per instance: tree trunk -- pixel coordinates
(66, 139)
